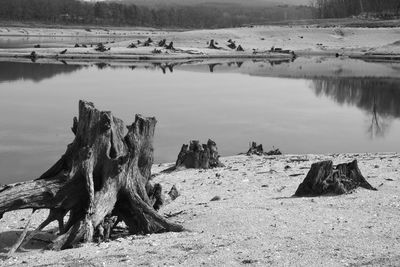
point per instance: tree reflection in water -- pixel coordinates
(12, 71)
(379, 98)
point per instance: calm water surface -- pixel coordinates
(323, 115)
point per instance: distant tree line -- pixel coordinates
(347, 8)
(117, 14)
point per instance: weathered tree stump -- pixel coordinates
(232, 45)
(148, 42)
(101, 47)
(103, 173)
(162, 43)
(258, 150)
(198, 156)
(323, 178)
(170, 46)
(273, 152)
(255, 149)
(33, 56)
(213, 45)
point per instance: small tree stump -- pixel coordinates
(198, 156)
(212, 45)
(239, 48)
(323, 178)
(170, 46)
(232, 45)
(255, 149)
(100, 47)
(162, 43)
(258, 150)
(148, 42)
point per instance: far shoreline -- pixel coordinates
(258, 42)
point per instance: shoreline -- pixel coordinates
(256, 219)
(124, 55)
(305, 40)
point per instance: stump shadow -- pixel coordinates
(38, 242)
(309, 196)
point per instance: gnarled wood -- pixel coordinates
(103, 172)
(324, 178)
(213, 45)
(255, 149)
(198, 156)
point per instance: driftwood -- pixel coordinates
(148, 42)
(273, 152)
(103, 173)
(324, 178)
(198, 156)
(101, 48)
(132, 45)
(283, 51)
(162, 43)
(170, 46)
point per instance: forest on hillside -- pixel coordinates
(117, 14)
(211, 15)
(384, 9)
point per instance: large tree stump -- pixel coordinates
(324, 178)
(103, 172)
(198, 156)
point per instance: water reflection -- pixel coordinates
(240, 102)
(379, 98)
(12, 71)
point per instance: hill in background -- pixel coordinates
(155, 3)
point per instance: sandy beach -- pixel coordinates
(256, 221)
(257, 41)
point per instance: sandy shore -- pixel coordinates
(256, 221)
(372, 43)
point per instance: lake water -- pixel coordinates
(234, 104)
